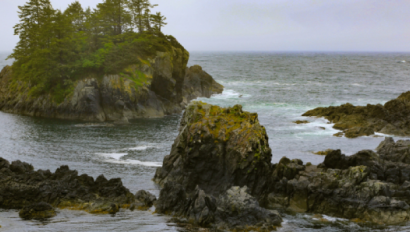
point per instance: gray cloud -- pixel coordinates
(268, 25)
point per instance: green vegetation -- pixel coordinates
(58, 48)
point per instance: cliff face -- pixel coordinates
(152, 88)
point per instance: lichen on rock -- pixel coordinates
(390, 118)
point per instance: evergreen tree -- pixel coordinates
(114, 16)
(35, 33)
(138, 9)
(158, 21)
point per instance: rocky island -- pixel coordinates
(391, 118)
(101, 65)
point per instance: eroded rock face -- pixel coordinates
(391, 118)
(217, 149)
(21, 186)
(233, 210)
(153, 88)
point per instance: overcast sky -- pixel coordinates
(267, 25)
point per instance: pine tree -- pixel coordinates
(138, 9)
(114, 16)
(158, 21)
(35, 33)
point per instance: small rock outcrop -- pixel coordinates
(198, 83)
(37, 211)
(216, 150)
(368, 186)
(33, 191)
(391, 118)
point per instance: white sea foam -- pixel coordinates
(229, 94)
(357, 84)
(137, 162)
(138, 148)
(116, 156)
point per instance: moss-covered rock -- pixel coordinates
(153, 86)
(37, 211)
(390, 118)
(218, 148)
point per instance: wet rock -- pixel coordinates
(390, 118)
(37, 211)
(233, 210)
(21, 186)
(145, 198)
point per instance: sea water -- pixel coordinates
(280, 87)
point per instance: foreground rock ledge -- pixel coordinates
(219, 174)
(35, 192)
(391, 118)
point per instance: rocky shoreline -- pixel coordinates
(391, 118)
(219, 175)
(158, 86)
(38, 192)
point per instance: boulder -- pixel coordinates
(37, 211)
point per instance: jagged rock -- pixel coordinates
(145, 198)
(39, 210)
(390, 118)
(218, 148)
(20, 186)
(233, 210)
(366, 186)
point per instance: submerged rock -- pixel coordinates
(391, 118)
(21, 186)
(301, 121)
(39, 210)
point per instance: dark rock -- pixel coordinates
(198, 83)
(147, 199)
(390, 118)
(22, 186)
(218, 148)
(39, 210)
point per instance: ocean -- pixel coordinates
(280, 87)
